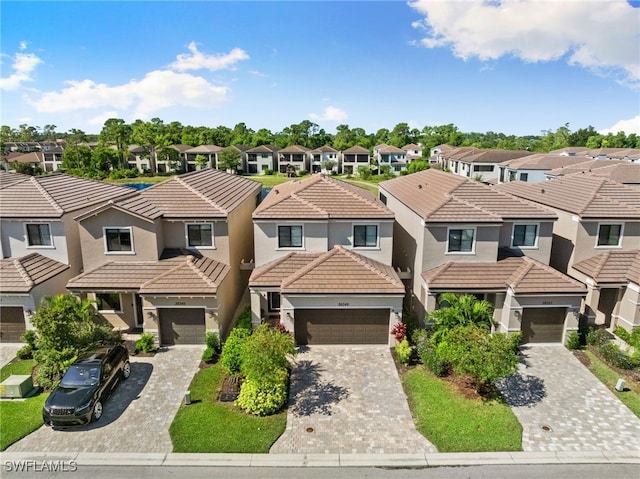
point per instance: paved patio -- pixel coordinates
(563, 407)
(138, 414)
(348, 399)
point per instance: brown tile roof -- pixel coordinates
(634, 270)
(339, 271)
(31, 157)
(585, 195)
(204, 149)
(494, 156)
(294, 149)
(320, 197)
(263, 149)
(205, 193)
(543, 161)
(522, 274)
(610, 266)
(50, 196)
(8, 179)
(623, 172)
(588, 165)
(411, 146)
(21, 275)
(176, 274)
(325, 149)
(356, 150)
(578, 150)
(436, 196)
(383, 148)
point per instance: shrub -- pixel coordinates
(244, 320)
(30, 337)
(597, 337)
(403, 351)
(613, 355)
(265, 355)
(399, 331)
(146, 343)
(262, 399)
(303, 173)
(232, 350)
(364, 172)
(208, 355)
(573, 340)
(25, 352)
(428, 354)
(631, 338)
(268, 171)
(213, 342)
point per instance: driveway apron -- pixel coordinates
(8, 352)
(563, 407)
(138, 414)
(348, 399)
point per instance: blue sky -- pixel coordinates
(511, 66)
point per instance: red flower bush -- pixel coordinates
(399, 331)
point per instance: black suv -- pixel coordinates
(79, 397)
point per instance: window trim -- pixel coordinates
(106, 243)
(200, 223)
(109, 310)
(610, 223)
(513, 234)
(289, 248)
(353, 236)
(473, 245)
(36, 246)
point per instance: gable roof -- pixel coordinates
(586, 165)
(7, 178)
(263, 149)
(436, 196)
(384, 148)
(206, 193)
(611, 267)
(31, 157)
(21, 275)
(622, 172)
(494, 155)
(356, 150)
(411, 146)
(338, 271)
(294, 149)
(522, 274)
(320, 197)
(585, 195)
(50, 196)
(324, 149)
(204, 149)
(175, 273)
(542, 161)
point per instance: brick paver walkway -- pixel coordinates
(352, 399)
(138, 414)
(563, 407)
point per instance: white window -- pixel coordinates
(365, 236)
(39, 234)
(118, 240)
(525, 236)
(199, 235)
(461, 240)
(610, 234)
(109, 302)
(290, 236)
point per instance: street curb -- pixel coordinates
(326, 460)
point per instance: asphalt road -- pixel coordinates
(568, 471)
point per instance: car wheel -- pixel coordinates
(126, 370)
(97, 411)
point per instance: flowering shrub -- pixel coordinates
(399, 331)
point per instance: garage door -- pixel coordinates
(182, 326)
(11, 324)
(542, 325)
(342, 326)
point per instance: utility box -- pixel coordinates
(16, 386)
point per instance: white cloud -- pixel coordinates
(628, 126)
(158, 89)
(197, 60)
(24, 64)
(331, 113)
(23, 45)
(102, 118)
(258, 74)
(598, 35)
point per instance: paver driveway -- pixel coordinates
(553, 390)
(136, 417)
(352, 399)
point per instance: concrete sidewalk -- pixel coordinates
(329, 460)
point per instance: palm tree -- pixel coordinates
(461, 309)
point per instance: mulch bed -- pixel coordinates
(629, 374)
(230, 389)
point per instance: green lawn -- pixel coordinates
(630, 397)
(211, 426)
(455, 424)
(19, 418)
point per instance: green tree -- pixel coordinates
(76, 157)
(460, 310)
(116, 132)
(103, 158)
(49, 132)
(400, 135)
(151, 136)
(229, 159)
(201, 161)
(418, 165)
(66, 328)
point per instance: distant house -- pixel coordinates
(295, 156)
(323, 156)
(261, 159)
(438, 154)
(209, 152)
(168, 260)
(354, 157)
(623, 172)
(391, 156)
(533, 168)
(596, 240)
(479, 163)
(323, 252)
(412, 152)
(454, 234)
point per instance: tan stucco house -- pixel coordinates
(595, 240)
(168, 260)
(323, 252)
(458, 235)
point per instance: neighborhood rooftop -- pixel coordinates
(20, 275)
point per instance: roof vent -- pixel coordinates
(420, 187)
(542, 190)
(277, 192)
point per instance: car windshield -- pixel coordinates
(81, 375)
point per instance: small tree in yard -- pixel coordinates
(65, 328)
(461, 309)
